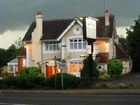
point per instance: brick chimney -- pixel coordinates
(107, 23)
(39, 22)
(36, 47)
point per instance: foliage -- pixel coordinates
(115, 67)
(89, 69)
(18, 43)
(104, 76)
(69, 81)
(133, 40)
(30, 77)
(31, 72)
(3, 61)
(21, 82)
(8, 55)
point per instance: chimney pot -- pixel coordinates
(39, 13)
(107, 23)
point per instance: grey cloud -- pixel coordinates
(15, 14)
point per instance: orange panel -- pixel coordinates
(50, 70)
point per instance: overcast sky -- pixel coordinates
(17, 15)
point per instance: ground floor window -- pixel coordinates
(75, 66)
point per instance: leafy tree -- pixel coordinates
(133, 40)
(115, 67)
(3, 61)
(89, 69)
(9, 54)
(18, 43)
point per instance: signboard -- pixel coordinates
(90, 27)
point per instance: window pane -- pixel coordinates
(84, 45)
(54, 47)
(80, 45)
(75, 45)
(71, 45)
(50, 47)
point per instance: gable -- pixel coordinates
(75, 31)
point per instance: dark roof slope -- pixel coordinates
(52, 29)
(120, 52)
(28, 34)
(102, 30)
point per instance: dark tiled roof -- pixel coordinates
(120, 52)
(28, 34)
(103, 31)
(52, 29)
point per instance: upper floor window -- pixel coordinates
(77, 44)
(52, 46)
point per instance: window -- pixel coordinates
(52, 46)
(75, 66)
(77, 44)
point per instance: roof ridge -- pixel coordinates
(58, 19)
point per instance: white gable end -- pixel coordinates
(75, 21)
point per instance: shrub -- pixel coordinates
(104, 76)
(21, 82)
(86, 82)
(29, 78)
(69, 81)
(31, 71)
(115, 67)
(86, 72)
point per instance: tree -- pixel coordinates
(9, 54)
(18, 43)
(133, 40)
(86, 72)
(3, 61)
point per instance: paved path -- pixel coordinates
(129, 79)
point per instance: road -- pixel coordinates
(42, 98)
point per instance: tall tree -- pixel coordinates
(19, 43)
(133, 40)
(2, 57)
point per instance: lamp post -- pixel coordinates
(55, 71)
(62, 65)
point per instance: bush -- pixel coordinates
(69, 81)
(31, 71)
(104, 76)
(30, 77)
(86, 72)
(21, 82)
(86, 82)
(115, 67)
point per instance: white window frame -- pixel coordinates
(75, 42)
(74, 61)
(51, 47)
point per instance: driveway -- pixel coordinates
(131, 79)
